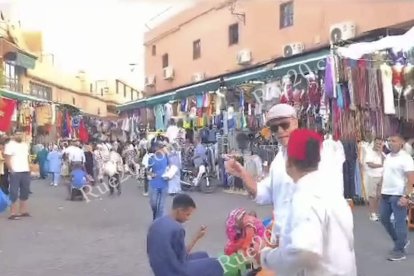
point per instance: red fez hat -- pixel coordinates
(298, 142)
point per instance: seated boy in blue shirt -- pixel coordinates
(79, 180)
(168, 255)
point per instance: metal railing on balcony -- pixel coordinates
(12, 86)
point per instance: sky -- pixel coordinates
(101, 37)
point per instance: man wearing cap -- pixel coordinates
(277, 188)
(317, 237)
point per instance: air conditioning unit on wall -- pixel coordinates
(168, 73)
(150, 80)
(342, 31)
(292, 49)
(244, 57)
(198, 77)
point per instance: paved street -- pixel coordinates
(106, 237)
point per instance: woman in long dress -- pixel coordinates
(174, 183)
(101, 155)
(89, 162)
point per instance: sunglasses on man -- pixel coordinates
(283, 125)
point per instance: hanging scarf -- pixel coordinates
(7, 107)
(83, 133)
(65, 131)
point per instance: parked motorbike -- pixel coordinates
(206, 183)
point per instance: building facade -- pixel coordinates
(26, 70)
(114, 92)
(218, 37)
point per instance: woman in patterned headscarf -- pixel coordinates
(101, 155)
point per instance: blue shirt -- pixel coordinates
(78, 178)
(158, 164)
(166, 247)
(55, 161)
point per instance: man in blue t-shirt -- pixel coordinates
(168, 255)
(78, 177)
(78, 181)
(158, 185)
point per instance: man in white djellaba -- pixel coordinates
(317, 238)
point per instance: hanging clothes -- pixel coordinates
(159, 117)
(168, 113)
(43, 115)
(387, 89)
(330, 77)
(83, 133)
(7, 108)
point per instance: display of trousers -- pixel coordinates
(225, 122)
(349, 167)
(222, 172)
(358, 180)
(231, 138)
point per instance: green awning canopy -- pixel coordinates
(25, 61)
(301, 65)
(198, 88)
(19, 96)
(256, 74)
(297, 65)
(158, 99)
(180, 93)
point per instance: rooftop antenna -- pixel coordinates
(155, 17)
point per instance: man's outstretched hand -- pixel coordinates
(233, 167)
(201, 232)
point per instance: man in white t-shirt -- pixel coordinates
(16, 154)
(374, 160)
(75, 154)
(397, 185)
(172, 131)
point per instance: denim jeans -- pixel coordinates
(157, 197)
(397, 230)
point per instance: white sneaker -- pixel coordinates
(55, 184)
(374, 217)
(51, 184)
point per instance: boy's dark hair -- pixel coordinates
(183, 201)
(313, 157)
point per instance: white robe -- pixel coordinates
(317, 238)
